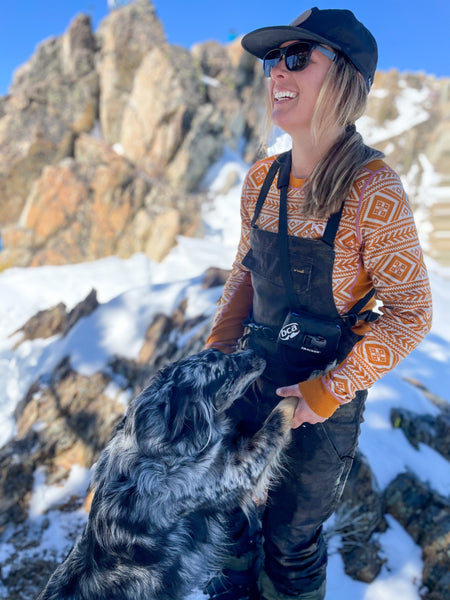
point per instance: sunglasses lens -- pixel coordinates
(271, 59)
(297, 56)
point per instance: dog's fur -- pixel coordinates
(163, 483)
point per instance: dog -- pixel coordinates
(166, 479)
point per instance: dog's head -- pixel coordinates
(184, 405)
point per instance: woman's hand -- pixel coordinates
(303, 414)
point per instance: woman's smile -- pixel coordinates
(284, 95)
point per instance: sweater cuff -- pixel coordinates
(226, 347)
(318, 398)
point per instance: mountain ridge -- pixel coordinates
(106, 138)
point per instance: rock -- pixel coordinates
(80, 310)
(16, 481)
(75, 414)
(215, 277)
(358, 517)
(94, 205)
(106, 137)
(435, 546)
(418, 148)
(52, 99)
(434, 431)
(426, 517)
(125, 37)
(362, 562)
(64, 420)
(159, 329)
(55, 320)
(43, 324)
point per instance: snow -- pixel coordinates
(399, 577)
(411, 107)
(43, 496)
(132, 291)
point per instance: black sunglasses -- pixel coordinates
(296, 56)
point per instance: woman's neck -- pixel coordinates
(306, 154)
(303, 161)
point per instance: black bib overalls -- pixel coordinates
(320, 456)
(292, 274)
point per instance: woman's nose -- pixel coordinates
(279, 70)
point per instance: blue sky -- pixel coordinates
(412, 35)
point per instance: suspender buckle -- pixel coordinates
(263, 331)
(352, 319)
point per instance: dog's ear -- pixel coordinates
(159, 414)
(176, 410)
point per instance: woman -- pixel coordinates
(326, 231)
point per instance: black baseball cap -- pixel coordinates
(337, 28)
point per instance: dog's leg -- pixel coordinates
(250, 466)
(287, 406)
(282, 431)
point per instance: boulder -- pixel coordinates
(97, 204)
(426, 517)
(358, 516)
(53, 98)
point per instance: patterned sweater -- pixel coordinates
(376, 244)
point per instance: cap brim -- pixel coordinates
(260, 41)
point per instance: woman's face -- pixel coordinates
(293, 94)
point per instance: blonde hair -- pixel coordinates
(342, 100)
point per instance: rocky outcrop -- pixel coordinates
(425, 429)
(66, 418)
(56, 320)
(53, 98)
(421, 511)
(125, 38)
(426, 517)
(105, 139)
(96, 204)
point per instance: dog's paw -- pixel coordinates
(287, 406)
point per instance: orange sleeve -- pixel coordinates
(318, 398)
(393, 258)
(237, 298)
(234, 306)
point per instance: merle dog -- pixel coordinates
(164, 482)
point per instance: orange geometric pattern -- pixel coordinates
(376, 244)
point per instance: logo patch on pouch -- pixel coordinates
(290, 331)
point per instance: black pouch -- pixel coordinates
(306, 339)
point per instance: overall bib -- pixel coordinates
(320, 456)
(293, 276)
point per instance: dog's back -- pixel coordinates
(164, 573)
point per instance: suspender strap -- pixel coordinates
(274, 167)
(285, 169)
(332, 226)
(362, 302)
(367, 315)
(283, 164)
(283, 240)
